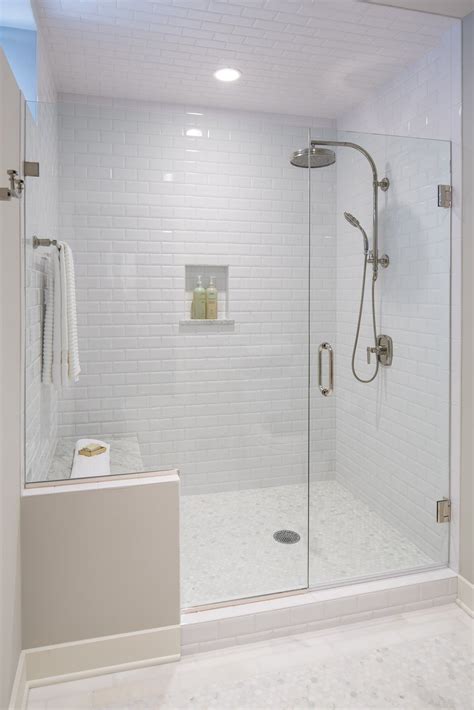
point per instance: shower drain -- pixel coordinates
(287, 537)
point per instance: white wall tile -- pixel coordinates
(214, 404)
(421, 102)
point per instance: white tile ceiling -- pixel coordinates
(307, 57)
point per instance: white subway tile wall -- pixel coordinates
(392, 435)
(422, 101)
(140, 199)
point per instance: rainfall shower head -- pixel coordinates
(314, 158)
(355, 223)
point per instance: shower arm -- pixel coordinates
(382, 184)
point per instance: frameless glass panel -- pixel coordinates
(149, 200)
(373, 511)
(41, 205)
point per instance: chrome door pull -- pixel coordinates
(326, 391)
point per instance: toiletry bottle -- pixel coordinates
(211, 300)
(199, 300)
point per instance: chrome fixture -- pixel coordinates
(15, 189)
(31, 168)
(443, 510)
(355, 223)
(316, 158)
(383, 346)
(320, 157)
(383, 350)
(326, 391)
(377, 184)
(445, 196)
(383, 260)
(44, 242)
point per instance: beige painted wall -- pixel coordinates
(99, 561)
(466, 563)
(10, 618)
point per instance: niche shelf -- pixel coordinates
(221, 280)
(205, 321)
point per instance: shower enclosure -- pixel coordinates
(294, 473)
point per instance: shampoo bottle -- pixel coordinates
(211, 300)
(199, 301)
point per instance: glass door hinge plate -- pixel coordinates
(445, 196)
(31, 169)
(443, 510)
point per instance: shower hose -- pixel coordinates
(374, 325)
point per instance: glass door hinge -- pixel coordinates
(445, 196)
(443, 510)
(31, 168)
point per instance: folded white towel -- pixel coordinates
(88, 466)
(60, 342)
(48, 325)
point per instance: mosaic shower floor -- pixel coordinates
(415, 661)
(228, 551)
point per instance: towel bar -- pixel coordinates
(38, 242)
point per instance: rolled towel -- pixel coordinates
(88, 466)
(61, 364)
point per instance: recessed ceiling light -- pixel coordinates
(194, 132)
(227, 74)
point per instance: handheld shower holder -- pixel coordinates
(384, 260)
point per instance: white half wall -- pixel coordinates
(100, 558)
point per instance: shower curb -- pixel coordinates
(221, 627)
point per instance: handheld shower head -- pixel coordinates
(355, 223)
(351, 219)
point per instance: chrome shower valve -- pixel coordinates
(383, 350)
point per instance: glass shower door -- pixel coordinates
(245, 494)
(373, 512)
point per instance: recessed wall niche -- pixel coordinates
(221, 281)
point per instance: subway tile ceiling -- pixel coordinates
(307, 57)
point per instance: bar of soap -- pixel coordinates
(92, 450)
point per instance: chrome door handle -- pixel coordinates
(326, 391)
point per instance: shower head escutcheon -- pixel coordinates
(355, 223)
(314, 158)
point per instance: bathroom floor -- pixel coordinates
(228, 551)
(418, 660)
